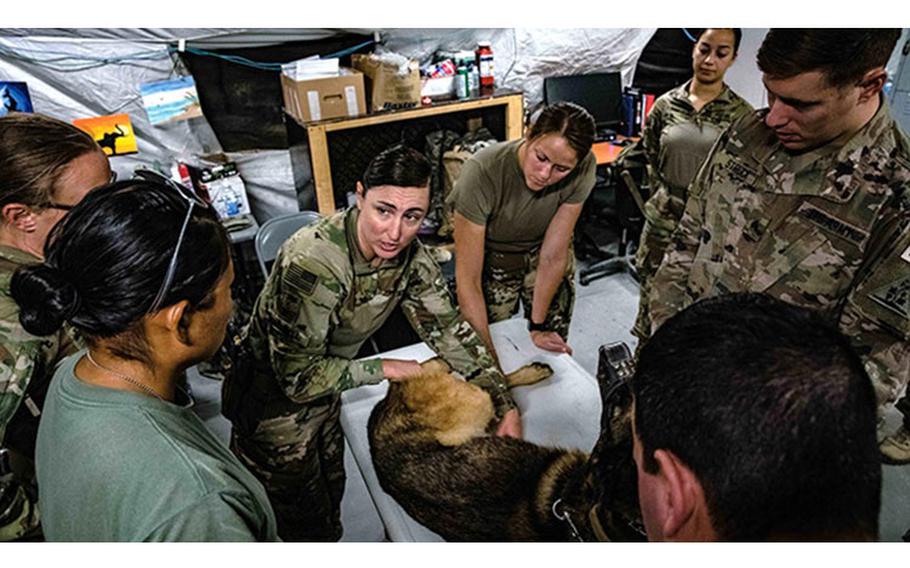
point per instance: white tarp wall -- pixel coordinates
(524, 56)
(92, 72)
(80, 78)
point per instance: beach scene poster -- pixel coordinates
(14, 97)
(170, 101)
(114, 133)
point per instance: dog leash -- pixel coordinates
(562, 513)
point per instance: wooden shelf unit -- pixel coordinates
(318, 134)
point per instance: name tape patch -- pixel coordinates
(832, 224)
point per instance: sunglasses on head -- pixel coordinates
(192, 200)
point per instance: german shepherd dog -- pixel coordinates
(433, 452)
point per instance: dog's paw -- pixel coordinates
(440, 254)
(529, 374)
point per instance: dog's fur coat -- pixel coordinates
(433, 452)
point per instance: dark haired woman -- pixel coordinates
(679, 132)
(516, 205)
(46, 167)
(143, 272)
(332, 286)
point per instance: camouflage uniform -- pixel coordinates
(827, 229)
(320, 303)
(676, 139)
(26, 366)
(510, 276)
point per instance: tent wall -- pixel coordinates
(90, 72)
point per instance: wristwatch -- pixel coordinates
(537, 326)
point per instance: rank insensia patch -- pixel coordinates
(895, 296)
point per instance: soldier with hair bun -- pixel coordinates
(142, 271)
(332, 286)
(515, 208)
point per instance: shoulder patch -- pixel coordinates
(301, 279)
(895, 296)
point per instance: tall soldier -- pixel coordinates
(333, 285)
(807, 201)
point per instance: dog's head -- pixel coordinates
(611, 479)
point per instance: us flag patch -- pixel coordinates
(301, 279)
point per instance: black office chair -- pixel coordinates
(601, 95)
(598, 227)
(628, 175)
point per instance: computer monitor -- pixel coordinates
(599, 93)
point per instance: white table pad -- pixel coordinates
(563, 411)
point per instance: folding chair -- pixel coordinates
(275, 231)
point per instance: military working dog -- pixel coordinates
(433, 452)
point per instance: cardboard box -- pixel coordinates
(327, 97)
(387, 88)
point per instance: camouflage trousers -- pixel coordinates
(299, 459)
(19, 518)
(662, 214)
(508, 278)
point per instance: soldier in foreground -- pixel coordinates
(807, 201)
(333, 285)
(764, 430)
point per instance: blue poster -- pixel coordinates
(14, 98)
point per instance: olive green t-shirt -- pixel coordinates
(491, 191)
(117, 466)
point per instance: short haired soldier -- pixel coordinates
(332, 286)
(763, 429)
(807, 201)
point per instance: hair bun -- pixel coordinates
(46, 299)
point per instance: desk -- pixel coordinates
(563, 410)
(606, 152)
(510, 103)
